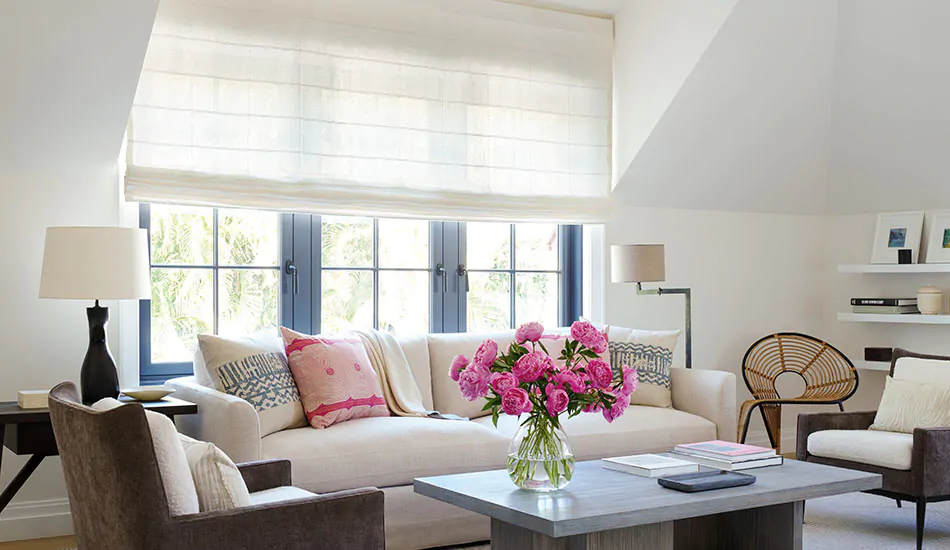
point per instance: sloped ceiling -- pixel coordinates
(749, 128)
(69, 75)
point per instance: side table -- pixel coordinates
(30, 432)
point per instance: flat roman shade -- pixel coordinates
(432, 109)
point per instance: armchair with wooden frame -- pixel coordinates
(914, 466)
(118, 499)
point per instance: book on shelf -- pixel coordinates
(650, 465)
(729, 465)
(725, 450)
(884, 301)
(892, 310)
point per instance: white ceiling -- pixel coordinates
(606, 8)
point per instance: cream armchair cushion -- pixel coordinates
(885, 449)
(908, 405)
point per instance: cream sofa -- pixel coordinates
(389, 452)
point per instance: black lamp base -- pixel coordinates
(98, 378)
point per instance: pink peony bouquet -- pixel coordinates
(526, 379)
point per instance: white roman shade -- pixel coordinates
(438, 109)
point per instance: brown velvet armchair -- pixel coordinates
(118, 501)
(925, 481)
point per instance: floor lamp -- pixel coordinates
(646, 263)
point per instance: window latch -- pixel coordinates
(462, 272)
(291, 269)
(440, 272)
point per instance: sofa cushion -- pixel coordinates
(385, 451)
(446, 397)
(640, 430)
(651, 353)
(279, 494)
(885, 449)
(923, 371)
(416, 349)
(218, 482)
(907, 405)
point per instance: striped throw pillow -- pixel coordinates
(218, 481)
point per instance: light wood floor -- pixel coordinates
(58, 543)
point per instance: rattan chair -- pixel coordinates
(830, 378)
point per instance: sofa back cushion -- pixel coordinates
(336, 380)
(446, 397)
(908, 405)
(651, 353)
(416, 349)
(922, 371)
(255, 369)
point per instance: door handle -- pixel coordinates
(462, 272)
(440, 272)
(291, 269)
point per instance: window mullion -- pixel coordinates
(287, 297)
(376, 273)
(437, 299)
(512, 277)
(214, 270)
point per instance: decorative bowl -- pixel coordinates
(148, 393)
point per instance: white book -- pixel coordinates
(731, 466)
(650, 465)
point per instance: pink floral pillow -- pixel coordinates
(334, 377)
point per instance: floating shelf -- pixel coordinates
(913, 319)
(872, 365)
(894, 268)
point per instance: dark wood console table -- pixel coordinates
(29, 432)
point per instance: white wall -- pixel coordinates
(70, 71)
(750, 275)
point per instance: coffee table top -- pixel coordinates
(599, 499)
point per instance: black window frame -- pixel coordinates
(299, 307)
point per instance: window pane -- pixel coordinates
(247, 300)
(488, 245)
(247, 237)
(489, 302)
(536, 246)
(181, 235)
(404, 302)
(536, 298)
(403, 243)
(347, 300)
(347, 242)
(182, 308)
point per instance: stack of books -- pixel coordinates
(724, 455)
(893, 306)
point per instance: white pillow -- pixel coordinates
(172, 464)
(218, 482)
(907, 405)
(651, 353)
(255, 369)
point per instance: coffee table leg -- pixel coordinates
(776, 527)
(657, 536)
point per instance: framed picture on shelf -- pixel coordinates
(938, 247)
(897, 231)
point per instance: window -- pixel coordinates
(234, 272)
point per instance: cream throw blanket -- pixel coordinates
(400, 390)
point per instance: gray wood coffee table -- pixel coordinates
(602, 509)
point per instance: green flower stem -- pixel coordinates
(540, 445)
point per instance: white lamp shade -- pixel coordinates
(637, 263)
(95, 263)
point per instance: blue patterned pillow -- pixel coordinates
(653, 364)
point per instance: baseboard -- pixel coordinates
(761, 438)
(35, 520)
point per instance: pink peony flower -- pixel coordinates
(515, 401)
(556, 401)
(572, 380)
(503, 381)
(458, 365)
(600, 374)
(529, 332)
(530, 366)
(485, 354)
(618, 408)
(631, 381)
(474, 382)
(588, 335)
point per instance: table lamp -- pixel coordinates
(96, 263)
(646, 263)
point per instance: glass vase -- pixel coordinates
(540, 456)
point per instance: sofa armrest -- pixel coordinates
(229, 422)
(809, 423)
(266, 474)
(710, 394)
(931, 460)
(348, 520)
